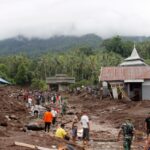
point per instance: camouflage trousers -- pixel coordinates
(127, 143)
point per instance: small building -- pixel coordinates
(133, 75)
(60, 82)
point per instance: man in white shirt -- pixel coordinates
(86, 127)
(54, 113)
(29, 102)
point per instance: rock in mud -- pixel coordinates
(13, 117)
(35, 125)
(4, 124)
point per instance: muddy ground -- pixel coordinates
(106, 116)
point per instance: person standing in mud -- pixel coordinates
(86, 127)
(29, 101)
(64, 108)
(54, 99)
(127, 129)
(54, 113)
(147, 125)
(74, 129)
(48, 117)
(147, 144)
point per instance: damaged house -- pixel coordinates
(131, 78)
(60, 82)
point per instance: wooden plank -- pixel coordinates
(44, 148)
(103, 140)
(25, 145)
(33, 146)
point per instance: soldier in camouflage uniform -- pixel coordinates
(147, 125)
(127, 129)
(64, 108)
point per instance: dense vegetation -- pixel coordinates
(82, 62)
(36, 46)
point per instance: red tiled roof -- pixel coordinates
(124, 73)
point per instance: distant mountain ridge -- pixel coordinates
(37, 46)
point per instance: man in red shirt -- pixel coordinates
(48, 117)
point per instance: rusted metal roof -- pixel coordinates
(2, 81)
(124, 73)
(60, 78)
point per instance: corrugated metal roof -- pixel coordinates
(4, 81)
(133, 60)
(133, 63)
(134, 55)
(60, 79)
(124, 73)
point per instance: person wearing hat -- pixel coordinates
(127, 129)
(147, 125)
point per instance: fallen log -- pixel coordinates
(103, 140)
(32, 146)
(25, 145)
(67, 122)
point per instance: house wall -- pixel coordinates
(127, 87)
(62, 87)
(146, 90)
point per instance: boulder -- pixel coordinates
(36, 124)
(13, 117)
(4, 124)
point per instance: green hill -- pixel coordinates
(36, 46)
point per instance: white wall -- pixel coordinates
(146, 90)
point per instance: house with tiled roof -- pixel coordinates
(133, 74)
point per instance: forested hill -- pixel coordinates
(22, 69)
(38, 46)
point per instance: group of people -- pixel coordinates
(128, 131)
(84, 121)
(41, 97)
(37, 98)
(50, 118)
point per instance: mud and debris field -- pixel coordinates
(106, 116)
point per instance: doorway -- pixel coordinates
(135, 91)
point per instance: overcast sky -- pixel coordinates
(45, 18)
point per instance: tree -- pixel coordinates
(85, 51)
(3, 71)
(22, 76)
(39, 84)
(117, 45)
